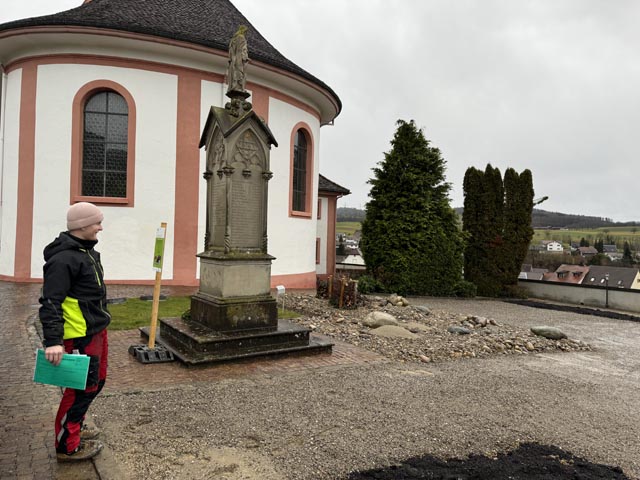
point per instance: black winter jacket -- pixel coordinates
(74, 297)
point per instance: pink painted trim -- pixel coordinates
(26, 169)
(165, 41)
(192, 283)
(300, 280)
(283, 98)
(8, 278)
(310, 151)
(260, 100)
(111, 61)
(187, 178)
(77, 131)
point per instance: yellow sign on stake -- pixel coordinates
(158, 257)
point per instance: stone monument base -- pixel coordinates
(195, 344)
(259, 313)
(233, 315)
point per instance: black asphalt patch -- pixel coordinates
(531, 461)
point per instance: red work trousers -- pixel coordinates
(75, 403)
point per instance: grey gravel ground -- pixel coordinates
(322, 426)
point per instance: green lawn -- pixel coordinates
(136, 313)
(348, 228)
(618, 235)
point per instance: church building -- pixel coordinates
(106, 103)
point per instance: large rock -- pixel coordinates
(393, 331)
(378, 319)
(552, 333)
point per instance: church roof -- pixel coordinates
(210, 23)
(326, 185)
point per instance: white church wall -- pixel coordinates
(321, 233)
(127, 241)
(291, 239)
(9, 187)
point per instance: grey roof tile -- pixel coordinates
(210, 23)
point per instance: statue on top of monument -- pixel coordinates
(238, 57)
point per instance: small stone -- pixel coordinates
(424, 359)
(423, 309)
(416, 327)
(458, 330)
(529, 346)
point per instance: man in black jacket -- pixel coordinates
(74, 319)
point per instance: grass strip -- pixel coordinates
(135, 313)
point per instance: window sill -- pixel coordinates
(294, 213)
(113, 201)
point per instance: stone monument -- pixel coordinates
(233, 314)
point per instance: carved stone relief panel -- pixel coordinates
(246, 217)
(248, 151)
(218, 210)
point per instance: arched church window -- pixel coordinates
(105, 139)
(103, 144)
(301, 185)
(299, 172)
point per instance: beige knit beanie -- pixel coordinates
(83, 214)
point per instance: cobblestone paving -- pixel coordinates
(27, 409)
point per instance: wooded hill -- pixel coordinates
(540, 219)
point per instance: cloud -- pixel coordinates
(540, 84)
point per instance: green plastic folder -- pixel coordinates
(72, 371)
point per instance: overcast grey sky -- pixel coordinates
(548, 85)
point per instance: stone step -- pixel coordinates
(194, 344)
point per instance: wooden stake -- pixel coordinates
(342, 282)
(156, 288)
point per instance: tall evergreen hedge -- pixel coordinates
(411, 241)
(497, 221)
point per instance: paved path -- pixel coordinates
(611, 373)
(27, 409)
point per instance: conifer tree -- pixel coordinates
(517, 222)
(498, 227)
(627, 256)
(599, 245)
(410, 241)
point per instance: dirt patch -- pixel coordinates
(530, 461)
